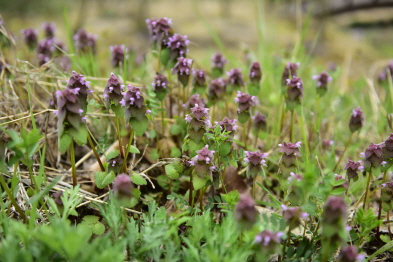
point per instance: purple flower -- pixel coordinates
(245, 211)
(387, 196)
(114, 164)
(118, 55)
(218, 63)
(326, 144)
(290, 71)
(49, 29)
(195, 100)
(69, 109)
(259, 121)
(217, 89)
(183, 69)
(199, 78)
(294, 92)
(200, 113)
(383, 75)
(228, 125)
(44, 51)
(292, 215)
(297, 177)
(387, 149)
(133, 101)
(269, 240)
(203, 161)
(349, 254)
(256, 160)
(353, 168)
(85, 42)
(245, 101)
(30, 37)
(291, 152)
(122, 186)
(159, 29)
(77, 81)
(255, 72)
(236, 77)
(113, 91)
(322, 80)
(177, 45)
(335, 210)
(373, 156)
(357, 120)
(160, 86)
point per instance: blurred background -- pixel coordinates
(357, 33)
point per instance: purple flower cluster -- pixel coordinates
(290, 71)
(195, 100)
(160, 86)
(245, 211)
(217, 89)
(113, 91)
(177, 45)
(78, 81)
(335, 211)
(218, 63)
(133, 101)
(203, 161)
(245, 101)
(85, 42)
(122, 186)
(183, 69)
(256, 161)
(235, 77)
(159, 29)
(353, 168)
(259, 121)
(118, 55)
(291, 152)
(255, 73)
(30, 36)
(199, 122)
(69, 110)
(387, 196)
(322, 80)
(292, 215)
(49, 30)
(269, 241)
(199, 78)
(44, 51)
(350, 254)
(356, 121)
(387, 149)
(373, 156)
(294, 92)
(228, 125)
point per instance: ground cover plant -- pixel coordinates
(220, 158)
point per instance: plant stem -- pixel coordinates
(380, 200)
(124, 165)
(388, 220)
(368, 185)
(345, 150)
(162, 118)
(12, 199)
(254, 180)
(72, 155)
(190, 198)
(291, 127)
(287, 242)
(95, 152)
(119, 137)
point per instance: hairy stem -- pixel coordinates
(72, 155)
(367, 189)
(95, 152)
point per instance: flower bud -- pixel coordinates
(122, 186)
(30, 37)
(118, 55)
(357, 120)
(255, 72)
(49, 30)
(245, 212)
(218, 63)
(322, 82)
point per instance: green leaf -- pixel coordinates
(171, 171)
(338, 191)
(198, 182)
(112, 154)
(386, 247)
(98, 228)
(139, 126)
(154, 154)
(253, 89)
(385, 238)
(103, 179)
(175, 129)
(89, 219)
(152, 133)
(175, 152)
(243, 117)
(135, 199)
(134, 150)
(225, 148)
(138, 179)
(64, 143)
(80, 136)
